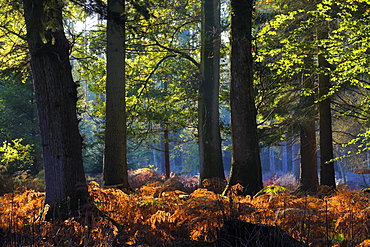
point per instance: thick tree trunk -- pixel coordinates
(327, 174)
(309, 177)
(211, 165)
(115, 161)
(56, 97)
(246, 165)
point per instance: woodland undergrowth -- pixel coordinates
(173, 212)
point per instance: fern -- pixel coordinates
(271, 190)
(341, 218)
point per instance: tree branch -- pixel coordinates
(181, 53)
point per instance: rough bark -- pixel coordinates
(246, 165)
(211, 165)
(56, 98)
(115, 160)
(327, 173)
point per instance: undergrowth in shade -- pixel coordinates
(160, 213)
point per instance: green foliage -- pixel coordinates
(271, 190)
(13, 48)
(18, 115)
(287, 51)
(92, 153)
(162, 74)
(15, 156)
(151, 202)
(355, 147)
(161, 78)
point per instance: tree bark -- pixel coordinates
(309, 177)
(56, 98)
(246, 165)
(211, 165)
(327, 173)
(115, 160)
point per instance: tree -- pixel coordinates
(341, 51)
(56, 96)
(293, 71)
(162, 104)
(155, 48)
(166, 140)
(327, 173)
(115, 164)
(211, 165)
(309, 177)
(246, 163)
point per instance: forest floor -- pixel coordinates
(173, 214)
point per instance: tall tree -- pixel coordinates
(166, 141)
(157, 58)
(211, 165)
(327, 173)
(115, 164)
(309, 178)
(246, 164)
(56, 97)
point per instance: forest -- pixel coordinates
(184, 123)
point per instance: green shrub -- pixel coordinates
(14, 156)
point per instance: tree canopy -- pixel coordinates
(293, 46)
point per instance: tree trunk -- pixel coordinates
(327, 174)
(115, 161)
(211, 165)
(166, 139)
(289, 150)
(167, 153)
(309, 177)
(296, 161)
(246, 166)
(56, 98)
